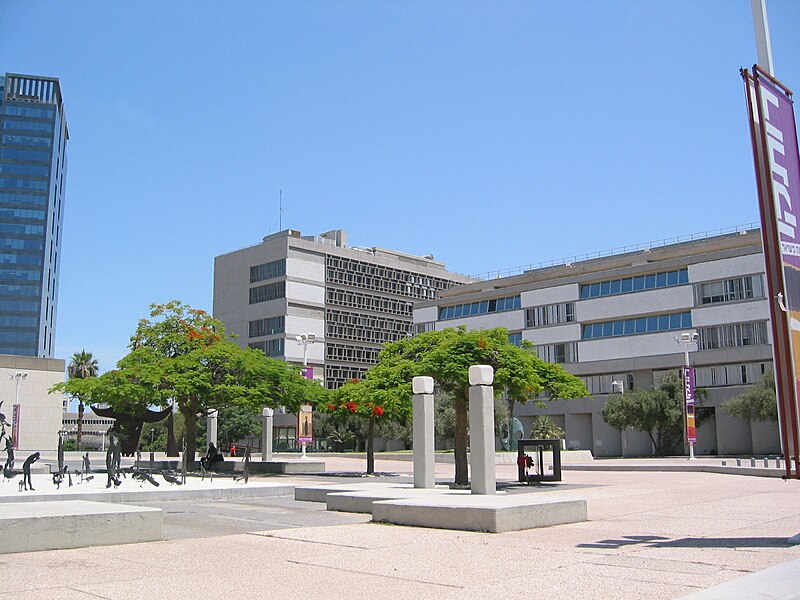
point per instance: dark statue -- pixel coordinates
(129, 426)
(10, 452)
(113, 459)
(246, 470)
(26, 471)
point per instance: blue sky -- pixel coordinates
(491, 134)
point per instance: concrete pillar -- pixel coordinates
(211, 427)
(481, 430)
(422, 407)
(266, 434)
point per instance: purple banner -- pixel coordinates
(688, 395)
(777, 113)
(308, 372)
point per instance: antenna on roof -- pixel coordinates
(280, 210)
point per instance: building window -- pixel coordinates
(651, 324)
(558, 353)
(270, 291)
(729, 290)
(376, 329)
(353, 354)
(269, 347)
(639, 283)
(337, 375)
(372, 302)
(270, 270)
(733, 336)
(515, 338)
(479, 308)
(551, 314)
(269, 326)
(424, 327)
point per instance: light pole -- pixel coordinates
(15, 416)
(304, 418)
(618, 385)
(686, 338)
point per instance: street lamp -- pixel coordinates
(618, 385)
(304, 339)
(686, 338)
(15, 415)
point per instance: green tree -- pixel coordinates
(236, 423)
(657, 411)
(543, 428)
(447, 355)
(82, 365)
(759, 403)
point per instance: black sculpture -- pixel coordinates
(171, 478)
(9, 473)
(113, 459)
(10, 451)
(26, 471)
(144, 476)
(129, 426)
(86, 466)
(246, 470)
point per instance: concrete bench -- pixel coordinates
(31, 526)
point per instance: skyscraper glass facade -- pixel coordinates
(33, 141)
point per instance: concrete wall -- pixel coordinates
(39, 412)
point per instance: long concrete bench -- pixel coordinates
(27, 527)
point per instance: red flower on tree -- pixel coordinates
(377, 411)
(331, 407)
(351, 406)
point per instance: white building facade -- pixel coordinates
(615, 320)
(344, 303)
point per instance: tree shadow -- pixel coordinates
(654, 541)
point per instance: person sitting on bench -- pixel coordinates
(213, 455)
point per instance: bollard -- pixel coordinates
(752, 462)
(724, 462)
(738, 462)
(766, 462)
(481, 430)
(778, 462)
(423, 432)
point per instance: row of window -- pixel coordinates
(15, 198)
(18, 169)
(20, 259)
(360, 300)
(268, 326)
(21, 337)
(7, 274)
(26, 140)
(729, 290)
(20, 154)
(270, 291)
(551, 314)
(348, 353)
(269, 347)
(19, 290)
(20, 322)
(363, 334)
(270, 270)
(723, 375)
(337, 375)
(24, 184)
(637, 325)
(558, 353)
(401, 275)
(38, 126)
(20, 243)
(19, 349)
(21, 229)
(634, 284)
(479, 308)
(365, 275)
(21, 213)
(608, 384)
(19, 306)
(26, 111)
(732, 336)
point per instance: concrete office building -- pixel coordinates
(33, 140)
(350, 300)
(612, 321)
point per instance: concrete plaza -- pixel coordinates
(650, 534)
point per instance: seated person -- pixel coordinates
(213, 455)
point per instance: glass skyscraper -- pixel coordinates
(33, 163)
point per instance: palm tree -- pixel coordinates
(82, 366)
(543, 428)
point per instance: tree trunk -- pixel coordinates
(462, 434)
(190, 419)
(172, 443)
(371, 446)
(80, 424)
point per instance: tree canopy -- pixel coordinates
(657, 411)
(759, 403)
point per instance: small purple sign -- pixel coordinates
(688, 394)
(308, 372)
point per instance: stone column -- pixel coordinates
(266, 434)
(422, 405)
(211, 427)
(481, 430)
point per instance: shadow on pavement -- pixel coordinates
(654, 541)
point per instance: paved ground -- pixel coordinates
(649, 535)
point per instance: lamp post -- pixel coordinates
(686, 338)
(304, 339)
(618, 385)
(15, 416)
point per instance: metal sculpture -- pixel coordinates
(26, 471)
(129, 426)
(113, 459)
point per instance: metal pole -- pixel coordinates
(761, 28)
